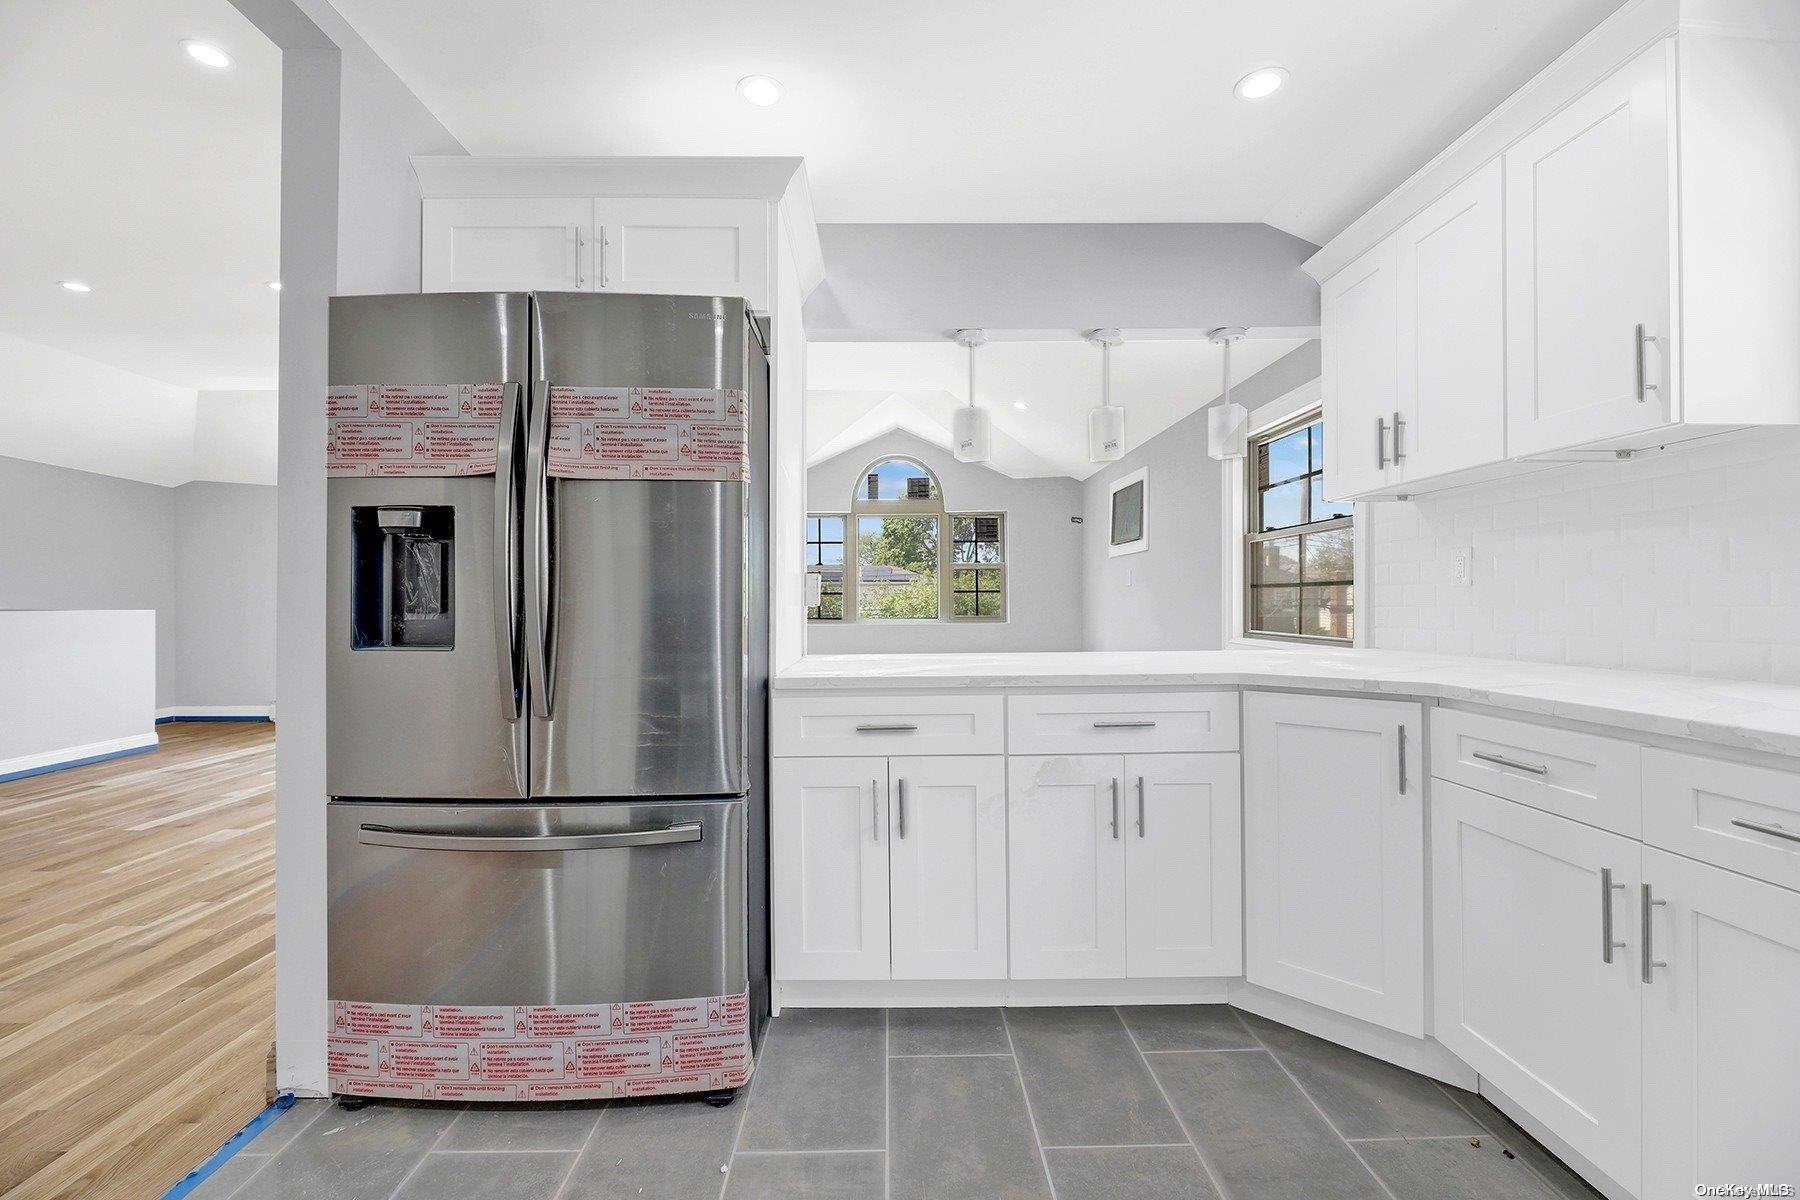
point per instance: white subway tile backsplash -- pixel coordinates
(1686, 561)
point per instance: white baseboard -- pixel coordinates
(217, 712)
(72, 756)
(987, 993)
(1427, 1056)
(1573, 1159)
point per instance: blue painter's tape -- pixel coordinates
(239, 1140)
(211, 718)
(47, 768)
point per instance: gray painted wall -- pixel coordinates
(201, 555)
(1043, 552)
(1168, 597)
(933, 277)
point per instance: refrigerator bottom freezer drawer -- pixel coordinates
(519, 952)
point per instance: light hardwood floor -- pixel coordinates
(136, 963)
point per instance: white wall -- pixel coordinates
(1169, 596)
(200, 556)
(224, 608)
(1681, 561)
(1043, 551)
(92, 685)
(235, 437)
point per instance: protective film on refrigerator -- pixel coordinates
(413, 429)
(650, 433)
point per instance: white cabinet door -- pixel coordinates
(1334, 854)
(1452, 304)
(688, 247)
(828, 877)
(1183, 866)
(1523, 990)
(947, 859)
(1066, 866)
(1360, 380)
(1588, 251)
(1721, 1043)
(514, 245)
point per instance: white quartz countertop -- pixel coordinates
(1754, 716)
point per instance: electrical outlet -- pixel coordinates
(1462, 567)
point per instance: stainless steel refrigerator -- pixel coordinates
(546, 720)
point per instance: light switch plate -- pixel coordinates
(1462, 567)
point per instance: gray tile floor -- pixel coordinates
(1194, 1102)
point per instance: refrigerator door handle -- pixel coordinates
(540, 647)
(426, 839)
(506, 555)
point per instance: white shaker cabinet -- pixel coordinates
(1066, 866)
(828, 869)
(492, 244)
(1334, 854)
(1183, 865)
(1536, 967)
(1588, 248)
(1721, 1042)
(1451, 293)
(690, 247)
(1360, 375)
(947, 867)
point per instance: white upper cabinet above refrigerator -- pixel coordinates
(484, 244)
(1605, 263)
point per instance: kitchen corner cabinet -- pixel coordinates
(710, 246)
(1334, 854)
(1124, 866)
(1536, 966)
(889, 867)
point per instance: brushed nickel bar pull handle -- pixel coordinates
(1607, 887)
(1401, 741)
(874, 810)
(1644, 387)
(1651, 962)
(1115, 808)
(1771, 830)
(1140, 806)
(1399, 435)
(434, 839)
(901, 728)
(900, 785)
(1124, 724)
(1500, 760)
(1381, 443)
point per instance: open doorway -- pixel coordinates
(139, 299)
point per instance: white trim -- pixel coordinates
(1141, 475)
(446, 176)
(1425, 1055)
(177, 712)
(1577, 1162)
(985, 993)
(73, 754)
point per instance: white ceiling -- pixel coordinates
(147, 176)
(856, 391)
(1012, 110)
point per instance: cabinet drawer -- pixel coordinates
(1174, 722)
(925, 723)
(1591, 779)
(1742, 818)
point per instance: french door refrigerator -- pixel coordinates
(546, 695)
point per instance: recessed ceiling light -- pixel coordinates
(1021, 405)
(207, 55)
(75, 285)
(274, 285)
(759, 90)
(1260, 85)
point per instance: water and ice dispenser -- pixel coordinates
(404, 586)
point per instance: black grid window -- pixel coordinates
(978, 566)
(1300, 571)
(825, 558)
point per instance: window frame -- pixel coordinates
(1251, 537)
(935, 509)
(844, 546)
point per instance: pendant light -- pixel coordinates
(1106, 424)
(1227, 422)
(971, 428)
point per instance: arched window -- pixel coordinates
(897, 553)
